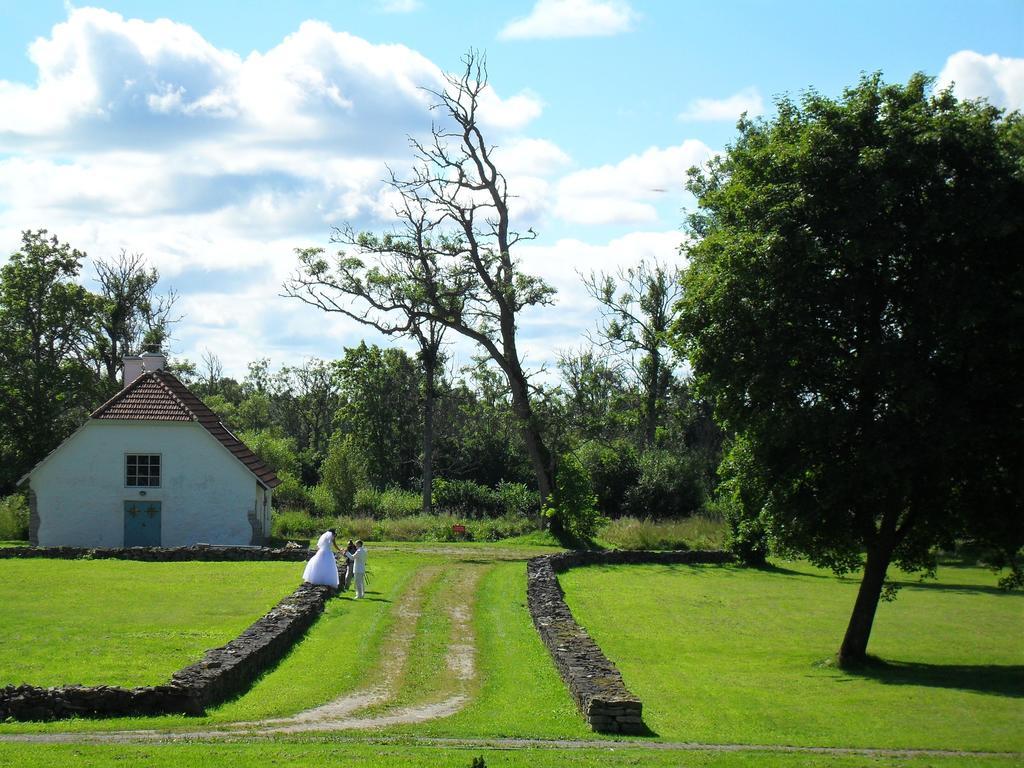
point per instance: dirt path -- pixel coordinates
(341, 713)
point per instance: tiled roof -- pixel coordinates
(160, 396)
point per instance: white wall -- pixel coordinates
(206, 494)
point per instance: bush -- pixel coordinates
(278, 453)
(291, 493)
(517, 500)
(14, 517)
(573, 505)
(393, 502)
(341, 475)
(467, 498)
(613, 468)
(295, 524)
(697, 532)
(463, 496)
(323, 502)
(669, 486)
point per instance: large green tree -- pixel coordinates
(47, 326)
(853, 307)
(380, 411)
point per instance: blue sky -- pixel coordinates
(218, 139)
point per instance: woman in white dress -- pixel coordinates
(322, 567)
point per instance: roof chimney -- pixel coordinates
(153, 361)
(133, 368)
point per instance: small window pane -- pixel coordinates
(142, 470)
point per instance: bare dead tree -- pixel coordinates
(449, 261)
(131, 317)
(636, 313)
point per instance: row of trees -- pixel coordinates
(61, 345)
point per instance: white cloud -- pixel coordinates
(106, 81)
(399, 6)
(572, 18)
(629, 191)
(999, 79)
(730, 108)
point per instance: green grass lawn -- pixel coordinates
(733, 655)
(312, 751)
(125, 623)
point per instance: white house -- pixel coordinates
(153, 466)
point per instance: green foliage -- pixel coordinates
(47, 326)
(14, 517)
(573, 505)
(277, 452)
(392, 502)
(668, 486)
(614, 468)
(296, 524)
(697, 532)
(342, 474)
(464, 497)
(380, 410)
(516, 500)
(291, 493)
(471, 499)
(853, 284)
(741, 499)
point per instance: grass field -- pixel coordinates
(125, 623)
(303, 753)
(726, 654)
(718, 654)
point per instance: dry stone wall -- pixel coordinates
(593, 680)
(221, 673)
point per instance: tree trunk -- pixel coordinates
(651, 405)
(428, 437)
(538, 452)
(853, 651)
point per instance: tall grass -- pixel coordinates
(296, 524)
(697, 532)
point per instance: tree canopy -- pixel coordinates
(852, 307)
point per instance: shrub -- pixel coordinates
(341, 474)
(463, 496)
(14, 517)
(291, 493)
(278, 453)
(573, 505)
(668, 486)
(323, 501)
(517, 500)
(393, 502)
(697, 532)
(613, 468)
(294, 524)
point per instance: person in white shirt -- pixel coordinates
(359, 568)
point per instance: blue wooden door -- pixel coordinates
(142, 523)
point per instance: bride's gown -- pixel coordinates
(322, 567)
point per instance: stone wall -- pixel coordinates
(160, 554)
(593, 680)
(221, 673)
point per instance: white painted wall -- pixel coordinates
(206, 494)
